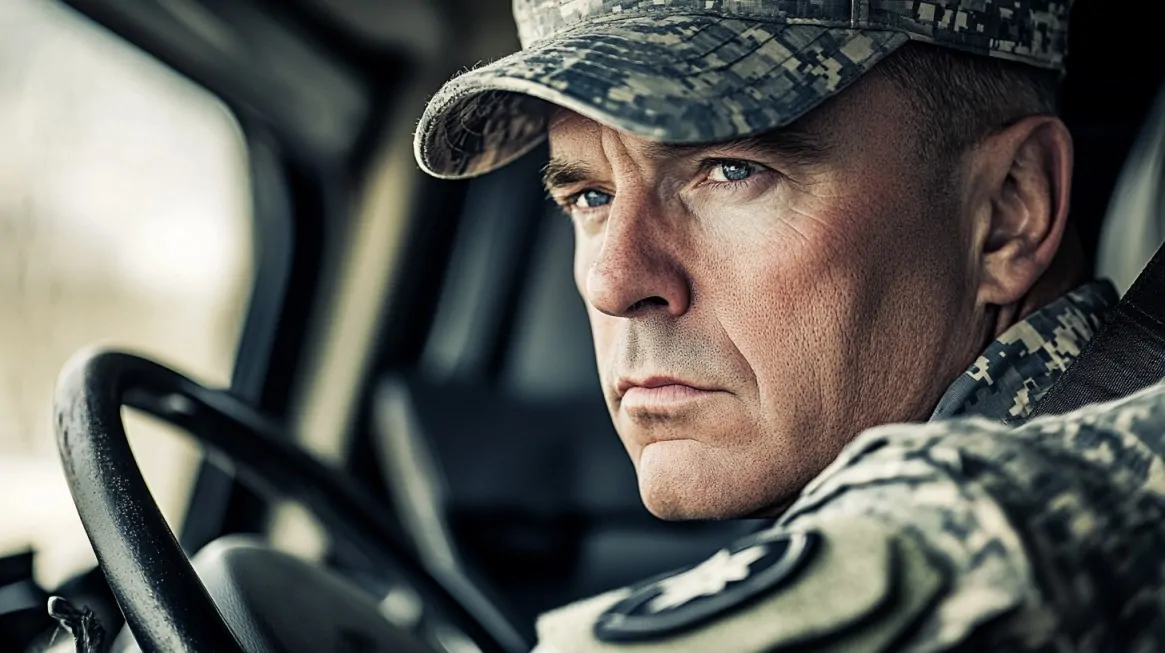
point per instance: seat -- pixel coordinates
(1134, 226)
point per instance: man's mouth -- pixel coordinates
(659, 393)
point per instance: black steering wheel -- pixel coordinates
(165, 604)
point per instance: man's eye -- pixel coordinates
(589, 199)
(728, 171)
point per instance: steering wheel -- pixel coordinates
(165, 604)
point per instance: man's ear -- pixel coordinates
(1022, 177)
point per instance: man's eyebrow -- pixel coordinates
(792, 144)
(559, 173)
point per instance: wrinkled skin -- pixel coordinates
(784, 300)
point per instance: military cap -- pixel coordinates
(695, 71)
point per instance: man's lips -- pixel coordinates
(659, 392)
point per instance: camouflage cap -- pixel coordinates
(693, 71)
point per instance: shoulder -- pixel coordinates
(851, 586)
(927, 538)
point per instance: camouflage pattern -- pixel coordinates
(1054, 532)
(1016, 370)
(689, 71)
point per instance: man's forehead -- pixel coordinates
(561, 116)
(565, 126)
(576, 142)
(575, 139)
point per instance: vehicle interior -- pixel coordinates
(364, 400)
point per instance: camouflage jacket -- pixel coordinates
(956, 535)
(1015, 371)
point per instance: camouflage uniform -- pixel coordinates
(959, 534)
(1012, 374)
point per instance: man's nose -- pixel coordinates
(637, 270)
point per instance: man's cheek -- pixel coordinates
(587, 248)
(582, 264)
(782, 312)
(604, 334)
(762, 296)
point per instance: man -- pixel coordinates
(795, 221)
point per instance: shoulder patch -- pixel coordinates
(735, 575)
(842, 586)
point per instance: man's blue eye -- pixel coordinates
(726, 171)
(589, 199)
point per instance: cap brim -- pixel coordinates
(680, 79)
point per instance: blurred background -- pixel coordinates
(228, 187)
(125, 219)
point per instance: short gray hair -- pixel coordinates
(962, 98)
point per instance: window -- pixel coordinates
(124, 220)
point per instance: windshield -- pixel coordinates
(124, 219)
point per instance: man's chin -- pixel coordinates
(685, 480)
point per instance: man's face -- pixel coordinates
(756, 305)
